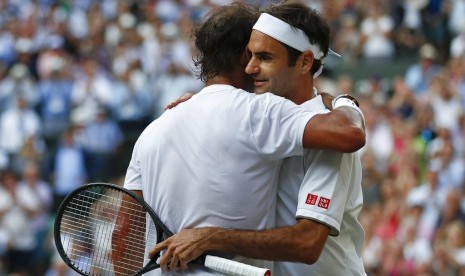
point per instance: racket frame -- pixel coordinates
(160, 226)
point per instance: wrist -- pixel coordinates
(348, 101)
(345, 100)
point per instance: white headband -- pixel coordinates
(282, 31)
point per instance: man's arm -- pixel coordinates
(342, 129)
(301, 242)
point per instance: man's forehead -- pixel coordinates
(259, 40)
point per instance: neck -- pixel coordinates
(236, 78)
(219, 80)
(303, 91)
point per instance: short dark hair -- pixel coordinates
(222, 39)
(300, 16)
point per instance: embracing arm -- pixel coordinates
(342, 129)
(301, 242)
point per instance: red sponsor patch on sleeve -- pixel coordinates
(311, 199)
(324, 202)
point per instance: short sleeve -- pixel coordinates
(278, 126)
(323, 193)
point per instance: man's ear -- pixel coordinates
(306, 62)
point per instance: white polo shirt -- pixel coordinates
(324, 186)
(214, 160)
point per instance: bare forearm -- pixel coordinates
(342, 129)
(293, 243)
(302, 242)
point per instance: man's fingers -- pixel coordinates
(164, 261)
(179, 100)
(184, 261)
(171, 105)
(157, 248)
(174, 262)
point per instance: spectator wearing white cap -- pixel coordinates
(419, 75)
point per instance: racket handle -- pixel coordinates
(234, 268)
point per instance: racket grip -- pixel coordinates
(234, 268)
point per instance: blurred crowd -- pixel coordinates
(79, 80)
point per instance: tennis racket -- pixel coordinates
(104, 229)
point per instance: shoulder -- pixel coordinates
(315, 104)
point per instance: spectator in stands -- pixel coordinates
(55, 98)
(175, 82)
(91, 90)
(445, 102)
(419, 75)
(456, 20)
(452, 172)
(101, 140)
(376, 35)
(347, 38)
(7, 40)
(454, 68)
(402, 101)
(18, 82)
(68, 167)
(380, 139)
(16, 220)
(409, 26)
(37, 196)
(457, 45)
(458, 136)
(17, 125)
(428, 197)
(131, 103)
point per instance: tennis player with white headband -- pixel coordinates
(297, 39)
(319, 194)
(291, 36)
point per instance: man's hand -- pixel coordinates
(179, 100)
(184, 247)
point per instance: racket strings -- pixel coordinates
(83, 220)
(87, 239)
(88, 232)
(85, 234)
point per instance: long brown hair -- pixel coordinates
(222, 38)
